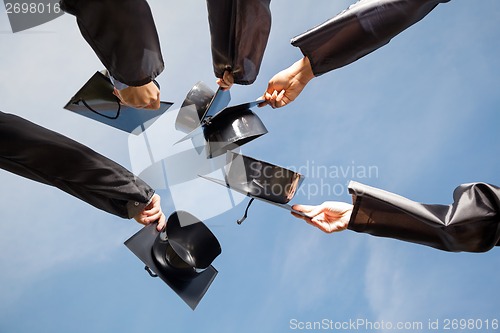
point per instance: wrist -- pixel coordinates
(304, 72)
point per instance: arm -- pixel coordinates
(123, 35)
(362, 28)
(285, 86)
(39, 154)
(359, 30)
(471, 223)
(239, 30)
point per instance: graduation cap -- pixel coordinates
(260, 180)
(205, 112)
(96, 100)
(181, 255)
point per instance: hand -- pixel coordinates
(142, 97)
(285, 86)
(152, 213)
(227, 80)
(330, 216)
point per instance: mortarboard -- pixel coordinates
(260, 180)
(223, 128)
(181, 255)
(96, 100)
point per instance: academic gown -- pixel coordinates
(239, 30)
(37, 153)
(123, 35)
(471, 223)
(359, 30)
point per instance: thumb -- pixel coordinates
(263, 99)
(303, 208)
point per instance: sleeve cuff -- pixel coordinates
(118, 85)
(135, 207)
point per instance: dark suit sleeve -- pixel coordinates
(239, 30)
(471, 223)
(362, 28)
(37, 153)
(123, 35)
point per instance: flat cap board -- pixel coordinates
(95, 100)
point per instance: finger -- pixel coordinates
(153, 202)
(228, 78)
(154, 217)
(142, 219)
(303, 208)
(268, 97)
(272, 99)
(281, 99)
(116, 92)
(321, 225)
(134, 105)
(146, 105)
(221, 83)
(299, 216)
(319, 218)
(308, 210)
(263, 99)
(154, 105)
(226, 82)
(317, 210)
(152, 211)
(155, 199)
(162, 222)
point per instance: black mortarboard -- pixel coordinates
(224, 128)
(181, 255)
(96, 100)
(260, 180)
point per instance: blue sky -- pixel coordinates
(423, 111)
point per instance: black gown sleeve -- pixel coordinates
(123, 35)
(471, 223)
(239, 30)
(39, 154)
(362, 28)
